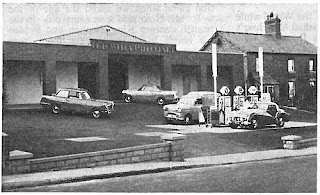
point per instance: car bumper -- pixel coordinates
(240, 122)
(171, 100)
(243, 123)
(173, 117)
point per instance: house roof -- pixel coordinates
(83, 37)
(267, 80)
(250, 42)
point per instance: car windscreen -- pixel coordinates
(85, 95)
(187, 100)
(63, 93)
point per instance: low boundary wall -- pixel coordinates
(293, 142)
(170, 150)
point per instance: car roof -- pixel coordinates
(269, 103)
(149, 85)
(199, 93)
(74, 89)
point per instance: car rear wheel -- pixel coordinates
(168, 121)
(160, 101)
(96, 113)
(188, 119)
(234, 126)
(255, 123)
(127, 98)
(56, 109)
(280, 122)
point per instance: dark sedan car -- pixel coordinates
(77, 100)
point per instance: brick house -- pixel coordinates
(290, 62)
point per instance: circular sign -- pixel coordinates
(224, 90)
(252, 89)
(238, 90)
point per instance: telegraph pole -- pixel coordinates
(214, 69)
(261, 68)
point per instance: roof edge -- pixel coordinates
(89, 30)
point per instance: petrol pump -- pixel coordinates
(224, 106)
(238, 99)
(252, 96)
(210, 109)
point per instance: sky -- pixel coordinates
(187, 25)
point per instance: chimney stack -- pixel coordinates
(272, 26)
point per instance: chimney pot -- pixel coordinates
(272, 26)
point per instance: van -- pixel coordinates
(188, 108)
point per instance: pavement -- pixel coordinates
(18, 181)
(12, 182)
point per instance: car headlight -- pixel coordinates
(165, 108)
(179, 110)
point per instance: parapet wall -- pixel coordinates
(170, 150)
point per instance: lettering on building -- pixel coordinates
(133, 47)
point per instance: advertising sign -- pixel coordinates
(238, 90)
(224, 90)
(252, 89)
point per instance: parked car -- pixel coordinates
(258, 115)
(188, 107)
(150, 93)
(77, 100)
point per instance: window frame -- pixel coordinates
(293, 87)
(313, 69)
(292, 70)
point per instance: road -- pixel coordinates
(297, 174)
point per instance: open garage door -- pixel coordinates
(87, 77)
(23, 81)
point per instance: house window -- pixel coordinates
(268, 89)
(292, 91)
(311, 66)
(291, 65)
(257, 64)
(312, 83)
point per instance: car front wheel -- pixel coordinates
(160, 101)
(56, 109)
(188, 119)
(255, 123)
(234, 126)
(96, 113)
(127, 98)
(280, 122)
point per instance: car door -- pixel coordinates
(195, 108)
(155, 93)
(62, 99)
(272, 110)
(146, 94)
(75, 102)
(139, 95)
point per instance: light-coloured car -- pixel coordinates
(150, 93)
(258, 115)
(76, 100)
(188, 107)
